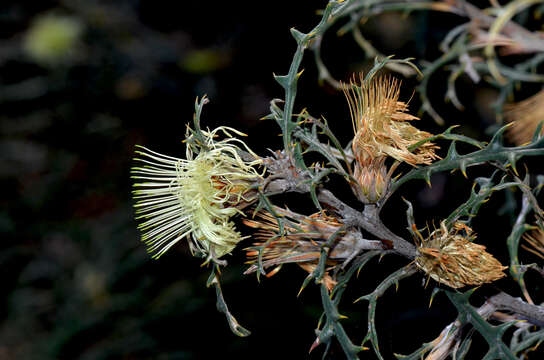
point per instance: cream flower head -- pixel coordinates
(194, 198)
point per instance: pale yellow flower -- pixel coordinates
(450, 257)
(194, 198)
(381, 123)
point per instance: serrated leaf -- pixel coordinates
(492, 334)
(315, 146)
(372, 298)
(494, 151)
(299, 160)
(379, 64)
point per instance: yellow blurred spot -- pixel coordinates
(205, 61)
(52, 39)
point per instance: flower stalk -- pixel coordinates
(381, 129)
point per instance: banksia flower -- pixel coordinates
(194, 198)
(300, 243)
(450, 257)
(381, 127)
(525, 116)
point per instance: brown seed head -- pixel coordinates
(450, 257)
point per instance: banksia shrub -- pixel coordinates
(333, 239)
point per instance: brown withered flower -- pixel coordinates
(450, 257)
(525, 116)
(382, 129)
(300, 243)
(535, 242)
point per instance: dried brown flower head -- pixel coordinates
(535, 242)
(525, 116)
(300, 243)
(450, 257)
(381, 123)
(381, 127)
(372, 180)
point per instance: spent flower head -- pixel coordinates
(381, 123)
(382, 129)
(300, 242)
(449, 256)
(196, 197)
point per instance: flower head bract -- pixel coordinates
(381, 126)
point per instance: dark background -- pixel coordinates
(77, 283)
